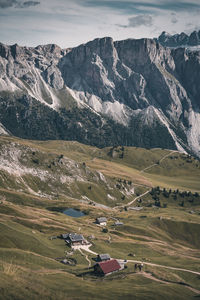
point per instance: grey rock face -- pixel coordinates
(145, 88)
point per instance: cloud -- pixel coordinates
(173, 18)
(125, 6)
(143, 6)
(140, 20)
(28, 4)
(69, 23)
(7, 3)
(15, 3)
(145, 20)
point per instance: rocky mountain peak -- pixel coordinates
(132, 92)
(179, 40)
(194, 38)
(102, 47)
(4, 50)
(50, 49)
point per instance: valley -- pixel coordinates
(154, 193)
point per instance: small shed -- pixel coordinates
(103, 257)
(101, 221)
(107, 267)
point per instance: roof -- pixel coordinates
(73, 237)
(104, 256)
(101, 219)
(76, 237)
(109, 266)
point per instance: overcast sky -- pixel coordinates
(69, 23)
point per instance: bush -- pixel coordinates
(157, 203)
(35, 161)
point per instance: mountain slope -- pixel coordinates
(60, 168)
(132, 92)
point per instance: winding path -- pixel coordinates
(151, 166)
(86, 257)
(162, 266)
(139, 262)
(132, 201)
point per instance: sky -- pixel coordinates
(69, 23)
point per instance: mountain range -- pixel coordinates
(102, 93)
(179, 40)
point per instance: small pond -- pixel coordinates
(73, 213)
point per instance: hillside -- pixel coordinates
(39, 179)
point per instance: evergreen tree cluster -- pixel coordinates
(159, 194)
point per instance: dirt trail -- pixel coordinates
(132, 201)
(194, 290)
(150, 276)
(166, 267)
(151, 264)
(86, 257)
(151, 166)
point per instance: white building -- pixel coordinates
(101, 221)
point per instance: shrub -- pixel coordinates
(35, 161)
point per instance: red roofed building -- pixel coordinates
(107, 267)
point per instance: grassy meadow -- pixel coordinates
(164, 232)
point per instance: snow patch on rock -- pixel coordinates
(3, 131)
(193, 133)
(119, 112)
(165, 122)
